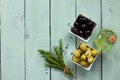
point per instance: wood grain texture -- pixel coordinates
(110, 20)
(62, 13)
(29, 25)
(90, 9)
(0, 44)
(12, 39)
(36, 37)
(0, 40)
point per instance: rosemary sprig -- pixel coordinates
(56, 62)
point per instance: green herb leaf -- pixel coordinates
(56, 62)
(53, 65)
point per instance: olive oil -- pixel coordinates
(103, 40)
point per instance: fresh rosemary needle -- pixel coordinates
(56, 61)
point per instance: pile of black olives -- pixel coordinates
(83, 27)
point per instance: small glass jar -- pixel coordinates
(105, 40)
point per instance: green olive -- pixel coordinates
(76, 53)
(88, 53)
(84, 63)
(79, 51)
(83, 47)
(88, 48)
(83, 57)
(90, 59)
(94, 53)
(75, 59)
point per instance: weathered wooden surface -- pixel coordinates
(29, 25)
(12, 40)
(110, 19)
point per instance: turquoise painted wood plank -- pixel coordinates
(37, 37)
(110, 20)
(62, 13)
(91, 9)
(0, 41)
(12, 39)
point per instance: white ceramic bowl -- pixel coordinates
(87, 26)
(89, 67)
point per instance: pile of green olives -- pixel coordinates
(84, 55)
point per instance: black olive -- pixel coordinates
(86, 36)
(87, 32)
(76, 25)
(75, 30)
(90, 23)
(80, 33)
(83, 26)
(82, 19)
